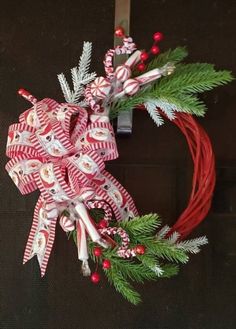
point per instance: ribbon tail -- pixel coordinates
(42, 234)
(43, 260)
(28, 254)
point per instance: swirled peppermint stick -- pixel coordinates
(156, 74)
(108, 65)
(144, 79)
(133, 59)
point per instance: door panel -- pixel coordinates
(42, 39)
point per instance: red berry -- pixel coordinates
(158, 36)
(95, 277)
(106, 264)
(97, 251)
(155, 50)
(119, 32)
(141, 67)
(144, 56)
(103, 223)
(140, 249)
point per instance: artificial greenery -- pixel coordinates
(179, 89)
(160, 260)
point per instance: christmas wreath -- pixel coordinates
(60, 149)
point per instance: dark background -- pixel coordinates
(42, 38)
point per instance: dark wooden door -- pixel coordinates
(42, 38)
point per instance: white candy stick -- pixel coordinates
(89, 225)
(149, 76)
(82, 248)
(133, 59)
(155, 74)
(81, 241)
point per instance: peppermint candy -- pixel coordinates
(66, 224)
(131, 86)
(123, 72)
(100, 87)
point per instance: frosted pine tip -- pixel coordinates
(24, 93)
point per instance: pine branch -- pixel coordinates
(65, 87)
(152, 108)
(162, 232)
(173, 238)
(192, 246)
(193, 78)
(136, 272)
(183, 102)
(169, 270)
(122, 286)
(165, 250)
(144, 225)
(179, 101)
(151, 262)
(85, 59)
(144, 267)
(175, 56)
(80, 76)
(175, 92)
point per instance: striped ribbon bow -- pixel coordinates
(60, 150)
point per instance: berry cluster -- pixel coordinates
(157, 37)
(106, 263)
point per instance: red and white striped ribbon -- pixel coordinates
(56, 148)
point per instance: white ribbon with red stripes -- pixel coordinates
(60, 150)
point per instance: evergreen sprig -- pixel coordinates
(192, 78)
(160, 259)
(170, 270)
(175, 56)
(144, 225)
(123, 286)
(131, 270)
(177, 92)
(80, 77)
(164, 249)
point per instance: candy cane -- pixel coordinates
(90, 99)
(108, 66)
(24, 93)
(123, 251)
(100, 204)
